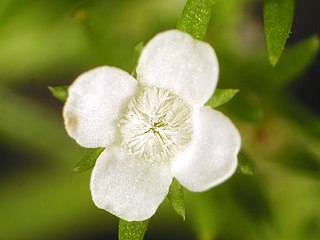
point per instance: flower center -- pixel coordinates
(156, 125)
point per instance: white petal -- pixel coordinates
(175, 61)
(212, 156)
(131, 189)
(94, 104)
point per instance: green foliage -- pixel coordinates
(221, 96)
(195, 17)
(132, 230)
(137, 51)
(88, 161)
(60, 92)
(176, 198)
(245, 165)
(278, 16)
(293, 62)
(48, 42)
(257, 75)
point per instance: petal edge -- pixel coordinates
(212, 156)
(94, 103)
(173, 60)
(131, 189)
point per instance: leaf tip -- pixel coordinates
(245, 165)
(181, 212)
(60, 92)
(51, 89)
(139, 46)
(176, 198)
(273, 59)
(235, 91)
(88, 161)
(221, 96)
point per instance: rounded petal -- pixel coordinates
(131, 189)
(211, 157)
(94, 104)
(175, 61)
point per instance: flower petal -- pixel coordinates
(94, 104)
(175, 61)
(129, 188)
(212, 156)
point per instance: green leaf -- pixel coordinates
(88, 161)
(132, 230)
(137, 51)
(300, 56)
(60, 92)
(195, 17)
(221, 96)
(176, 198)
(245, 165)
(278, 16)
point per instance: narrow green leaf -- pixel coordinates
(245, 165)
(60, 92)
(195, 17)
(132, 230)
(278, 16)
(88, 161)
(176, 198)
(300, 56)
(137, 51)
(221, 96)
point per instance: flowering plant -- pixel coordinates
(155, 128)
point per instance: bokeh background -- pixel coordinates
(275, 193)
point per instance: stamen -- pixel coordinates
(156, 125)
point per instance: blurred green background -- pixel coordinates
(275, 193)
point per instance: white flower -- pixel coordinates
(153, 129)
